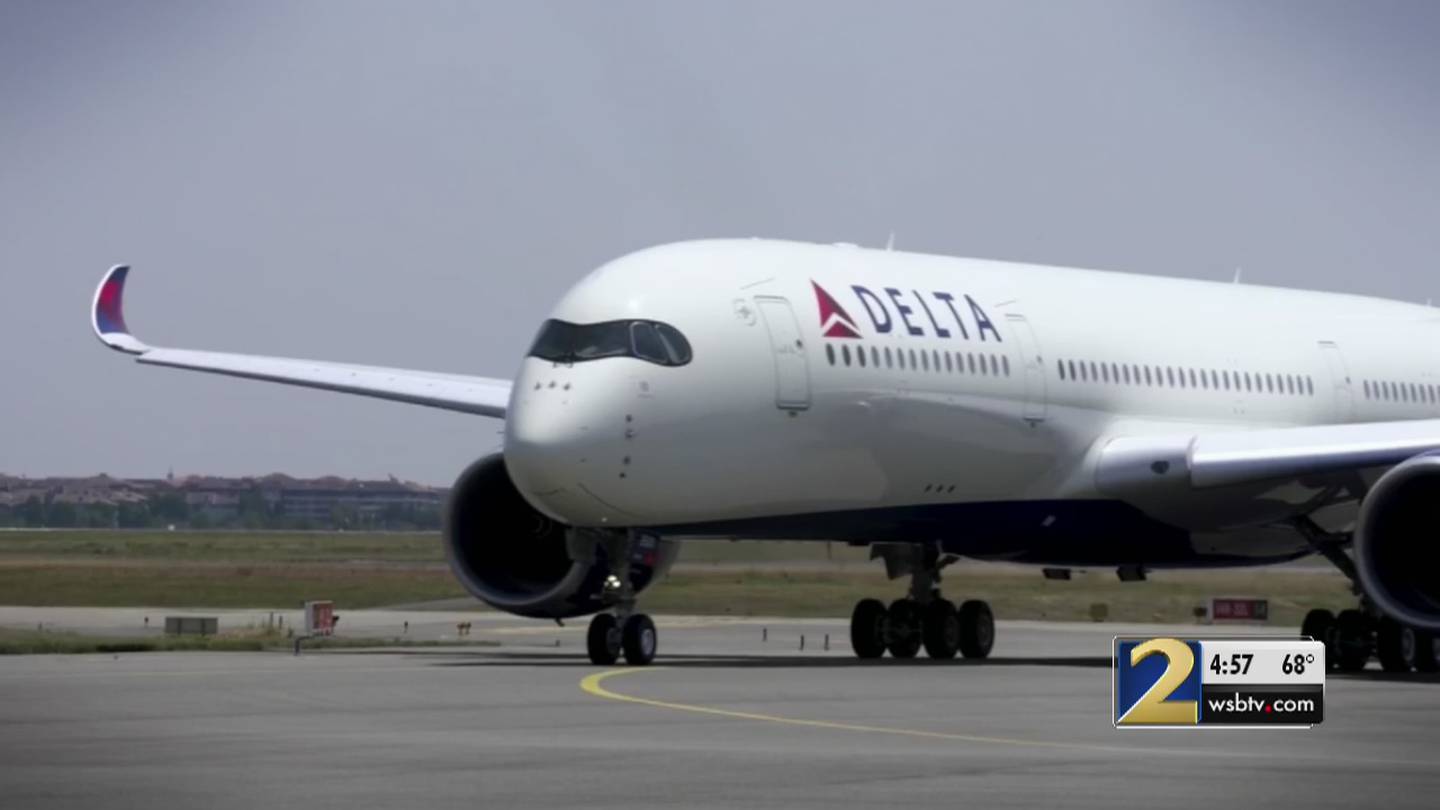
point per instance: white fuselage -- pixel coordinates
(834, 380)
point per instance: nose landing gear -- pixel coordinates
(621, 629)
(923, 618)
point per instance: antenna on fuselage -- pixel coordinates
(890, 243)
(1238, 272)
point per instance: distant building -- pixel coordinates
(273, 500)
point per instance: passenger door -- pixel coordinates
(792, 367)
(1340, 380)
(1032, 367)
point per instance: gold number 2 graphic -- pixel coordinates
(1152, 708)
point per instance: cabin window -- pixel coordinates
(830, 353)
(1005, 361)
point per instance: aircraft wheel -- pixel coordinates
(602, 640)
(1423, 647)
(1390, 646)
(977, 629)
(940, 629)
(1352, 641)
(904, 636)
(638, 639)
(1319, 624)
(867, 628)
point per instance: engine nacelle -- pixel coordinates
(514, 558)
(1397, 550)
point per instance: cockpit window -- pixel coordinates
(565, 342)
(647, 343)
(677, 348)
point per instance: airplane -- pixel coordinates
(933, 409)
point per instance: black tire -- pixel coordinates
(1424, 650)
(1390, 646)
(940, 630)
(602, 640)
(1319, 624)
(639, 640)
(1352, 641)
(867, 628)
(904, 639)
(977, 629)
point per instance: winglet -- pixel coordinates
(107, 313)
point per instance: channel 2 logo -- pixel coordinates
(1233, 682)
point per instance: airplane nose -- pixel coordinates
(543, 443)
(566, 435)
(556, 435)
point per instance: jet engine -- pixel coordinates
(1397, 547)
(514, 558)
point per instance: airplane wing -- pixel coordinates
(455, 392)
(1223, 458)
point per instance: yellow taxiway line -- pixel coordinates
(592, 684)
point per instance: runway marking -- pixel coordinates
(591, 684)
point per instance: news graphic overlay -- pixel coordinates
(1234, 682)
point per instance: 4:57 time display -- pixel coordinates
(1235, 664)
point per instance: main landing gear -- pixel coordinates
(1352, 636)
(923, 618)
(620, 629)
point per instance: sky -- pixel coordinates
(415, 184)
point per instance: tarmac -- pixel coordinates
(735, 713)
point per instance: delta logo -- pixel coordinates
(835, 322)
(960, 316)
